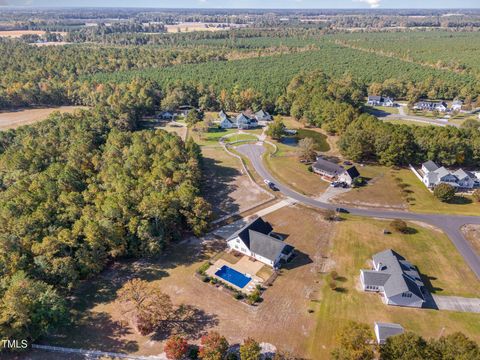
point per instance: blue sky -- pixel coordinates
(254, 3)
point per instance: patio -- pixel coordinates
(245, 266)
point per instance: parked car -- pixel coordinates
(347, 163)
(335, 184)
(273, 186)
(342, 210)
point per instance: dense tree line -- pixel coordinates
(76, 192)
(369, 139)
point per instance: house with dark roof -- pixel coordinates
(255, 240)
(335, 172)
(385, 330)
(396, 279)
(374, 100)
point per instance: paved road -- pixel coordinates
(450, 224)
(403, 116)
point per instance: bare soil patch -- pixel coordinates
(20, 117)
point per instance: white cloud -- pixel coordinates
(372, 3)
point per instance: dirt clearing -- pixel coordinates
(17, 118)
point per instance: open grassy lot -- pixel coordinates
(17, 118)
(241, 137)
(355, 241)
(408, 122)
(211, 137)
(227, 186)
(375, 193)
(98, 322)
(292, 172)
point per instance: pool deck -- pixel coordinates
(245, 266)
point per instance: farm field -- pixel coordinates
(19, 33)
(99, 323)
(354, 242)
(15, 119)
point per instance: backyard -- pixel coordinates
(98, 322)
(354, 242)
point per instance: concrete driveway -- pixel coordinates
(456, 303)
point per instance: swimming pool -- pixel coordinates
(233, 276)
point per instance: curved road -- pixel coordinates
(450, 224)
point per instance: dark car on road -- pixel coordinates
(342, 210)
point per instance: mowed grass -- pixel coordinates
(380, 191)
(211, 137)
(424, 201)
(290, 171)
(241, 137)
(408, 122)
(355, 241)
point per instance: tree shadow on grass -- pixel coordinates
(218, 185)
(96, 331)
(460, 200)
(187, 321)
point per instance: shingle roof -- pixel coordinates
(385, 330)
(353, 172)
(460, 174)
(403, 275)
(258, 225)
(430, 165)
(441, 172)
(328, 167)
(265, 245)
(375, 278)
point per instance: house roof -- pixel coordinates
(262, 114)
(430, 165)
(461, 174)
(257, 225)
(255, 236)
(223, 115)
(403, 275)
(375, 278)
(441, 172)
(328, 167)
(353, 172)
(385, 330)
(265, 245)
(243, 118)
(374, 98)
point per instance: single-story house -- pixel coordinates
(166, 115)
(431, 106)
(457, 105)
(255, 240)
(374, 100)
(385, 330)
(459, 179)
(395, 278)
(263, 116)
(335, 172)
(185, 109)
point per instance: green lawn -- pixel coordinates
(355, 241)
(211, 137)
(320, 140)
(241, 137)
(424, 201)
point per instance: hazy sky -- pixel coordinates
(253, 3)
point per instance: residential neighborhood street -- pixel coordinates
(450, 224)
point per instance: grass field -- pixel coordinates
(472, 233)
(241, 137)
(355, 241)
(375, 193)
(408, 122)
(17, 118)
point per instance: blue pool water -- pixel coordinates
(232, 276)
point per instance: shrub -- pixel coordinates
(333, 285)
(444, 192)
(237, 295)
(206, 279)
(399, 226)
(254, 297)
(476, 195)
(176, 347)
(204, 267)
(250, 350)
(334, 275)
(330, 215)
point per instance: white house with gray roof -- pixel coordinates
(396, 279)
(385, 330)
(255, 240)
(459, 179)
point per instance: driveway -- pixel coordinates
(403, 116)
(450, 224)
(456, 303)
